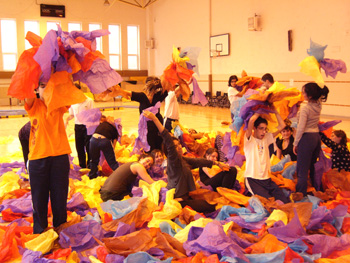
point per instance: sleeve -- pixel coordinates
(301, 125)
(328, 141)
(170, 146)
(137, 96)
(159, 96)
(198, 162)
(31, 110)
(71, 112)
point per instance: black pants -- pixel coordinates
(309, 148)
(265, 188)
(82, 141)
(225, 179)
(25, 150)
(104, 145)
(49, 177)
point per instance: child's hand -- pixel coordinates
(149, 115)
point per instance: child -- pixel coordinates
(256, 148)
(307, 143)
(224, 178)
(340, 151)
(48, 164)
(285, 145)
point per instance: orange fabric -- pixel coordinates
(9, 216)
(85, 42)
(26, 77)
(59, 253)
(34, 39)
(291, 255)
(89, 59)
(346, 225)
(8, 247)
(233, 196)
(268, 244)
(48, 134)
(73, 63)
(60, 92)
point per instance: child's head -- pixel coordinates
(158, 157)
(40, 90)
(178, 147)
(260, 128)
(286, 132)
(232, 81)
(339, 136)
(211, 154)
(146, 160)
(103, 118)
(153, 85)
(268, 80)
(312, 92)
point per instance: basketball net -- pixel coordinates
(215, 53)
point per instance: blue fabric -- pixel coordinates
(143, 257)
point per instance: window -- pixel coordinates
(133, 47)
(98, 39)
(32, 26)
(74, 27)
(114, 46)
(52, 26)
(9, 44)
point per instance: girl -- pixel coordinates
(340, 151)
(120, 182)
(152, 93)
(222, 179)
(285, 145)
(307, 143)
(157, 170)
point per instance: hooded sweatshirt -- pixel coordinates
(308, 119)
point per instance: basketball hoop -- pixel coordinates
(215, 53)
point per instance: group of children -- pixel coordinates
(48, 164)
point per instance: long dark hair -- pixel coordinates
(341, 134)
(315, 92)
(231, 78)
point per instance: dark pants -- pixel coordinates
(225, 179)
(200, 206)
(49, 177)
(25, 150)
(153, 137)
(115, 196)
(309, 148)
(104, 145)
(168, 124)
(265, 188)
(82, 141)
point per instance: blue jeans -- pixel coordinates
(104, 145)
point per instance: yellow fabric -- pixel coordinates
(228, 226)
(8, 182)
(171, 209)
(310, 66)
(233, 196)
(151, 191)
(342, 259)
(182, 235)
(177, 59)
(275, 216)
(43, 243)
(90, 190)
(6, 140)
(94, 260)
(73, 258)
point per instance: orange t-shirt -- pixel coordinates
(47, 135)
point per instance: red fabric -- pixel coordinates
(34, 39)
(291, 256)
(9, 216)
(8, 247)
(60, 253)
(101, 253)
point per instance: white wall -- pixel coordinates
(188, 23)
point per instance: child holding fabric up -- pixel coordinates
(307, 143)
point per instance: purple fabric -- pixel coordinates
(124, 229)
(213, 240)
(119, 126)
(242, 223)
(156, 252)
(162, 194)
(289, 233)
(12, 165)
(90, 35)
(198, 95)
(80, 236)
(192, 53)
(318, 216)
(332, 66)
(323, 165)
(47, 53)
(21, 205)
(194, 233)
(240, 241)
(77, 203)
(327, 244)
(114, 258)
(90, 118)
(30, 256)
(99, 77)
(293, 111)
(141, 140)
(247, 110)
(328, 124)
